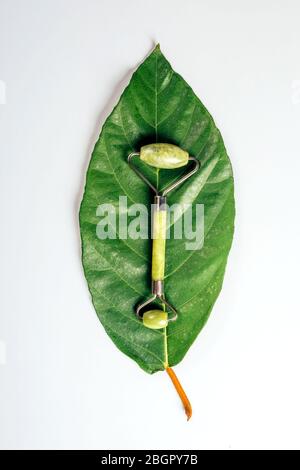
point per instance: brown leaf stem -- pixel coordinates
(184, 399)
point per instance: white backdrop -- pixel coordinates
(63, 65)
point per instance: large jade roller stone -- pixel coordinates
(165, 156)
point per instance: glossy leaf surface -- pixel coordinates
(157, 106)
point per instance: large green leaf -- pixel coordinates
(157, 106)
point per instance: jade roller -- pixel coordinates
(167, 157)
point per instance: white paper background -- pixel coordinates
(63, 65)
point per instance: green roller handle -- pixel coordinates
(159, 243)
(164, 156)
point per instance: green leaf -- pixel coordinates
(157, 106)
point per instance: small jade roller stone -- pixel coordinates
(155, 319)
